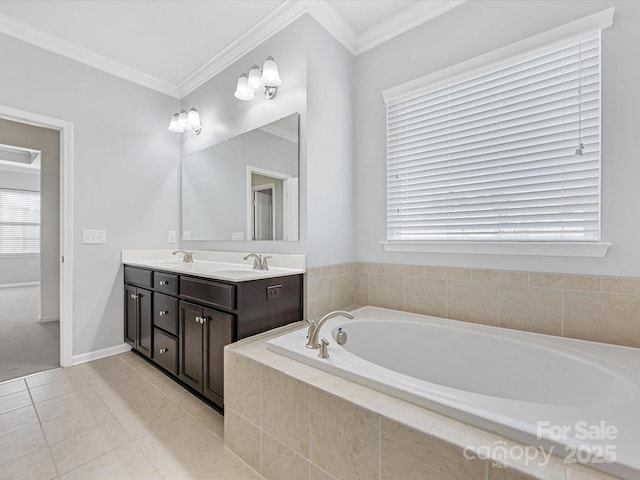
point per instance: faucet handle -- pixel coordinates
(265, 265)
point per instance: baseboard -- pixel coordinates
(105, 352)
(15, 285)
(49, 319)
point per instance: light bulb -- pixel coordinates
(183, 122)
(243, 92)
(270, 74)
(193, 118)
(255, 79)
(173, 124)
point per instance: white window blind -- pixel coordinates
(19, 222)
(491, 155)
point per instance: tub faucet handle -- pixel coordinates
(323, 348)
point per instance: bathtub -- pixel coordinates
(578, 399)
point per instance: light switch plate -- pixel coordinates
(94, 236)
(186, 235)
(172, 236)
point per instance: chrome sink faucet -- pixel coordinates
(187, 256)
(259, 262)
(314, 327)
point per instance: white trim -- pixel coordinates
(274, 22)
(567, 249)
(49, 319)
(417, 14)
(597, 21)
(35, 36)
(18, 285)
(66, 219)
(98, 354)
(333, 23)
(278, 19)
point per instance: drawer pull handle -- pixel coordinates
(163, 350)
(164, 312)
(164, 282)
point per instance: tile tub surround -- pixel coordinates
(291, 421)
(601, 309)
(114, 418)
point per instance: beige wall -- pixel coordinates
(48, 142)
(588, 307)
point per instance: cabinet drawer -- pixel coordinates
(165, 312)
(208, 292)
(138, 276)
(165, 282)
(165, 351)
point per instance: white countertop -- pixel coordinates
(229, 266)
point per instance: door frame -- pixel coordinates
(66, 219)
(249, 195)
(261, 188)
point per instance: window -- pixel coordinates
(19, 222)
(507, 151)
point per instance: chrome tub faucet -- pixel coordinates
(314, 327)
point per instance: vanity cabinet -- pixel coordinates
(183, 322)
(138, 329)
(204, 332)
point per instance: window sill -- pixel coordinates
(554, 249)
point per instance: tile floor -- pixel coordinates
(115, 418)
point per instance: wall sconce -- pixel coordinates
(257, 79)
(183, 121)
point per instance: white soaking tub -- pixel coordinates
(578, 399)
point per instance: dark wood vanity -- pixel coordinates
(181, 323)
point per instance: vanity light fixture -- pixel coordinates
(183, 121)
(257, 79)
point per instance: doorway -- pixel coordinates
(53, 310)
(264, 204)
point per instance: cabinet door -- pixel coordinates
(145, 323)
(218, 332)
(191, 336)
(130, 315)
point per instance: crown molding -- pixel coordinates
(333, 23)
(415, 15)
(281, 17)
(278, 19)
(55, 44)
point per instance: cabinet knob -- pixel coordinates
(134, 296)
(204, 319)
(164, 282)
(163, 350)
(164, 312)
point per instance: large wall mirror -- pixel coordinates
(245, 188)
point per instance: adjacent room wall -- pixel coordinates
(126, 172)
(17, 269)
(48, 266)
(466, 32)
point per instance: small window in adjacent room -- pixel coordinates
(19, 222)
(500, 151)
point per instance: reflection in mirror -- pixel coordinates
(245, 188)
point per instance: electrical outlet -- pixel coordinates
(172, 236)
(94, 236)
(186, 235)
